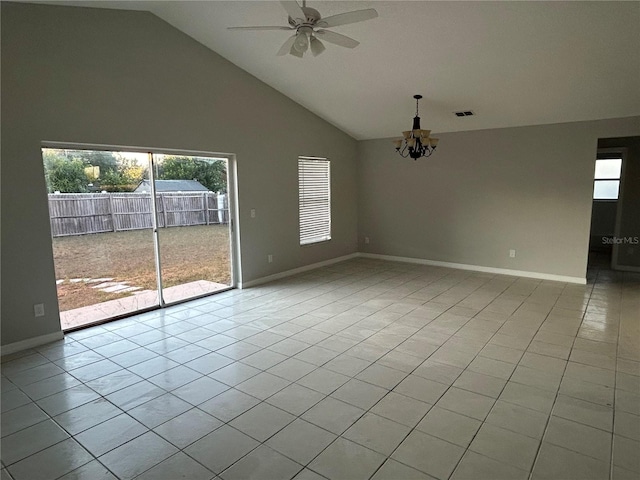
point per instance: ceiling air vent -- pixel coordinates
(464, 113)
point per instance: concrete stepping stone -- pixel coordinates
(115, 288)
(130, 289)
(105, 285)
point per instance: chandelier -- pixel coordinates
(416, 142)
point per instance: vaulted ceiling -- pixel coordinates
(513, 63)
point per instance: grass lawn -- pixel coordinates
(186, 254)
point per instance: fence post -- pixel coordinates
(205, 202)
(113, 215)
(220, 202)
(164, 210)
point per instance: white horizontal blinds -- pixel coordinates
(314, 181)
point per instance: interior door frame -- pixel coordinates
(232, 192)
(604, 153)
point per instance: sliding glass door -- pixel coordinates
(102, 235)
(133, 231)
(192, 211)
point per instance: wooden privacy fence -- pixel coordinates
(82, 213)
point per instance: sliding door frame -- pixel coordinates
(232, 192)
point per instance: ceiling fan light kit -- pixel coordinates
(309, 27)
(317, 47)
(416, 143)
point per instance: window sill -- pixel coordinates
(310, 244)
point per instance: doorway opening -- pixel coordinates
(605, 209)
(135, 230)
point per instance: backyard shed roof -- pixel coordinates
(172, 186)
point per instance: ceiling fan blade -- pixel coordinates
(337, 38)
(347, 18)
(287, 46)
(316, 46)
(293, 9)
(260, 28)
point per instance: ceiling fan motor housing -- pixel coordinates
(312, 14)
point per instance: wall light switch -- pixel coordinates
(253, 213)
(270, 258)
(38, 310)
(512, 253)
(366, 240)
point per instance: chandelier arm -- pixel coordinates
(403, 153)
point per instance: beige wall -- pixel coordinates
(128, 78)
(486, 192)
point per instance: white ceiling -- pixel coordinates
(513, 63)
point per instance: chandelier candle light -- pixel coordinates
(416, 142)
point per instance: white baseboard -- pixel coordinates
(295, 271)
(478, 268)
(30, 343)
(419, 261)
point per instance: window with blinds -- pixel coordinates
(314, 183)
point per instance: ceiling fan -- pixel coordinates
(309, 28)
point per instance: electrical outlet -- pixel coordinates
(38, 310)
(253, 213)
(512, 253)
(270, 258)
(366, 240)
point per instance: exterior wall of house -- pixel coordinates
(126, 78)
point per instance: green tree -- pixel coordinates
(210, 173)
(115, 181)
(64, 175)
(113, 173)
(107, 161)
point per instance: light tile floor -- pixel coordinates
(365, 369)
